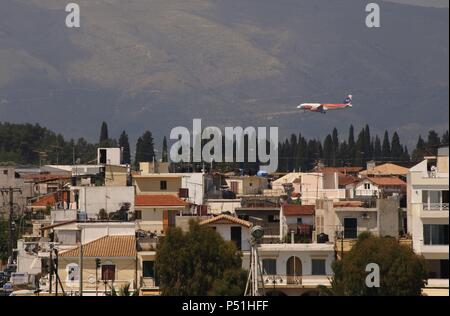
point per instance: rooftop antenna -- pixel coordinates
(255, 272)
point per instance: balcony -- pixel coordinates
(301, 281)
(435, 206)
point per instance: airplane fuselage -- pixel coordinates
(322, 107)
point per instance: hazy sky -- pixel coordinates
(425, 3)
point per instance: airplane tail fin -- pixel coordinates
(348, 100)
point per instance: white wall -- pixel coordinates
(305, 252)
(224, 230)
(217, 206)
(93, 231)
(92, 199)
(194, 182)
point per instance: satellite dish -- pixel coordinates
(257, 232)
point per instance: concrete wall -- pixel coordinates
(389, 217)
(125, 273)
(152, 185)
(248, 185)
(116, 175)
(224, 230)
(195, 184)
(110, 198)
(216, 206)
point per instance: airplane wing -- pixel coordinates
(321, 108)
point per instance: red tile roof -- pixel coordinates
(296, 209)
(106, 246)
(50, 199)
(158, 200)
(226, 218)
(348, 204)
(384, 181)
(346, 179)
(343, 170)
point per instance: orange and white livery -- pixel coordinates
(324, 107)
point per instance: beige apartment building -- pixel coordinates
(428, 217)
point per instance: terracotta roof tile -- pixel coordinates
(159, 200)
(49, 199)
(381, 181)
(226, 218)
(106, 246)
(386, 169)
(346, 179)
(296, 209)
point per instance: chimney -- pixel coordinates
(371, 166)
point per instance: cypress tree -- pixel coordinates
(125, 144)
(165, 153)
(396, 148)
(328, 151)
(377, 152)
(386, 148)
(104, 137)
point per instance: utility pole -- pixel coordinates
(51, 272)
(81, 268)
(10, 192)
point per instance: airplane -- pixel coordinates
(324, 107)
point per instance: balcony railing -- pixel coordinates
(435, 206)
(295, 280)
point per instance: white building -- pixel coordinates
(296, 269)
(428, 220)
(110, 198)
(232, 229)
(312, 186)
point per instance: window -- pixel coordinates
(5, 172)
(183, 193)
(435, 234)
(73, 272)
(269, 266)
(108, 272)
(234, 186)
(148, 269)
(102, 158)
(350, 228)
(367, 186)
(163, 185)
(318, 266)
(299, 220)
(137, 214)
(273, 218)
(236, 236)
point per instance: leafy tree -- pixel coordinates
(402, 272)
(125, 144)
(204, 264)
